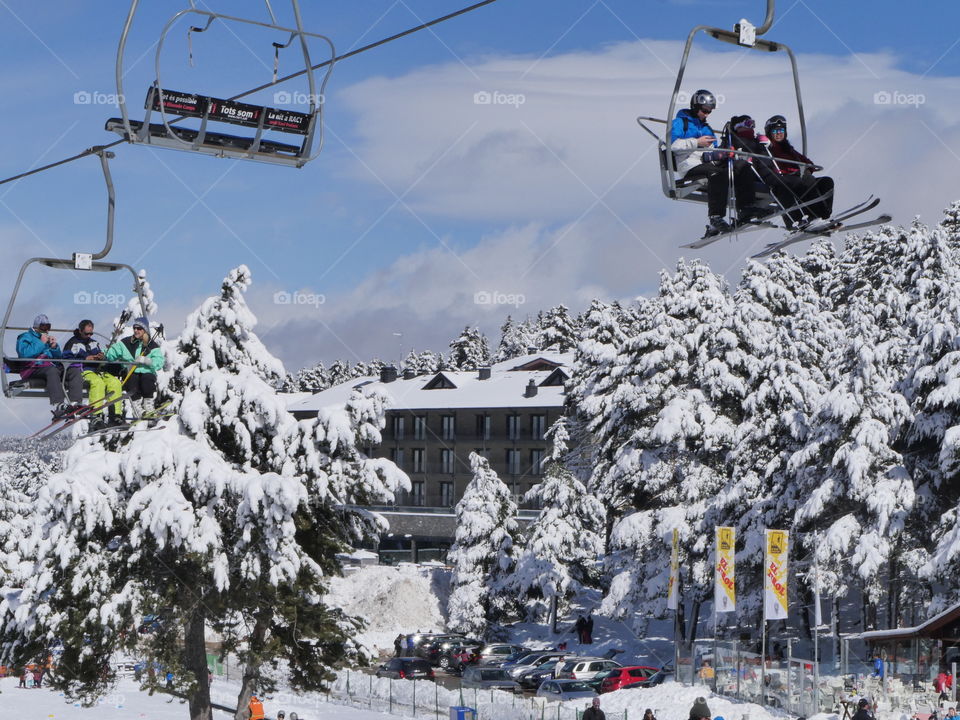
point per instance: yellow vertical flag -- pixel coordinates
(775, 562)
(724, 576)
(674, 571)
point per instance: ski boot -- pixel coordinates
(717, 226)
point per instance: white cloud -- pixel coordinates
(538, 168)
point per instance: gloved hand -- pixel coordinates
(717, 155)
(763, 140)
(144, 360)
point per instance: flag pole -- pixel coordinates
(817, 619)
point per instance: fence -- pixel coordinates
(788, 684)
(428, 700)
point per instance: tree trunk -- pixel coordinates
(195, 660)
(251, 670)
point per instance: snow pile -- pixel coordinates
(392, 600)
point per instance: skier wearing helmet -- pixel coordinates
(694, 145)
(799, 180)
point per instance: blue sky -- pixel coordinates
(424, 203)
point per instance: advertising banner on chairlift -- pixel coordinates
(775, 563)
(724, 578)
(674, 581)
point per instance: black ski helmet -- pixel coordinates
(777, 122)
(703, 99)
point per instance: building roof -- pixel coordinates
(505, 388)
(929, 628)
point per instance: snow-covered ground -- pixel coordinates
(128, 703)
(392, 600)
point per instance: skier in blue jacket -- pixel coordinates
(697, 154)
(37, 344)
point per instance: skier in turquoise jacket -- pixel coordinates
(138, 348)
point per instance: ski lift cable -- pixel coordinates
(344, 56)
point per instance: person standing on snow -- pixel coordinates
(398, 645)
(140, 349)
(695, 148)
(84, 346)
(579, 628)
(256, 708)
(700, 710)
(37, 344)
(588, 630)
(594, 712)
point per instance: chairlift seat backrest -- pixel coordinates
(227, 111)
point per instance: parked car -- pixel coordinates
(406, 668)
(431, 647)
(533, 661)
(585, 668)
(531, 678)
(455, 659)
(488, 678)
(597, 680)
(519, 655)
(631, 675)
(556, 690)
(658, 677)
(497, 653)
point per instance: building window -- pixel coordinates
(446, 494)
(418, 460)
(513, 427)
(420, 427)
(448, 427)
(513, 462)
(536, 462)
(535, 503)
(396, 455)
(446, 461)
(483, 427)
(416, 493)
(398, 427)
(538, 426)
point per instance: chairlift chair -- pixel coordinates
(173, 105)
(82, 262)
(743, 35)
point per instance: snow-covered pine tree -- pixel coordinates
(515, 340)
(226, 518)
(23, 474)
(151, 304)
(313, 379)
(558, 331)
(339, 372)
(791, 332)
(483, 554)
(855, 492)
(672, 395)
(565, 540)
(469, 351)
(590, 389)
(932, 441)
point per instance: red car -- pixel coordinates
(622, 677)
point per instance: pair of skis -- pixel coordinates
(158, 413)
(83, 412)
(837, 222)
(762, 224)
